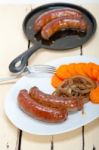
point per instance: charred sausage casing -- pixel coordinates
(63, 23)
(71, 104)
(38, 111)
(48, 16)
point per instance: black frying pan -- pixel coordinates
(62, 40)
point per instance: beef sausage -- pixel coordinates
(46, 17)
(71, 104)
(63, 23)
(38, 111)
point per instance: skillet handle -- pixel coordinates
(20, 62)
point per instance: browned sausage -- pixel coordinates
(52, 101)
(38, 111)
(46, 17)
(63, 23)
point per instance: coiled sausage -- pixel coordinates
(63, 23)
(38, 111)
(48, 16)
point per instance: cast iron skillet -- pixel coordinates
(62, 40)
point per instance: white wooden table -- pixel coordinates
(13, 42)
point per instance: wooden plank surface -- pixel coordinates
(92, 49)
(14, 42)
(12, 38)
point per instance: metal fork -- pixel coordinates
(34, 70)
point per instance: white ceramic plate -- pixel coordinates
(30, 125)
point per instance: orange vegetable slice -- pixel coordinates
(95, 74)
(55, 81)
(95, 70)
(66, 71)
(62, 72)
(88, 70)
(71, 68)
(79, 69)
(94, 95)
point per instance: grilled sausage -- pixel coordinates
(48, 16)
(38, 111)
(63, 23)
(71, 104)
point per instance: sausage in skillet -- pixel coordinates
(48, 16)
(63, 23)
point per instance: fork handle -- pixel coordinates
(7, 78)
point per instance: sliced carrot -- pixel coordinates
(62, 72)
(94, 95)
(95, 74)
(95, 66)
(66, 71)
(79, 69)
(55, 81)
(71, 68)
(95, 70)
(88, 70)
(84, 69)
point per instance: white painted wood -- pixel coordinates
(44, 55)
(12, 39)
(12, 42)
(92, 135)
(37, 1)
(8, 133)
(35, 142)
(92, 47)
(71, 140)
